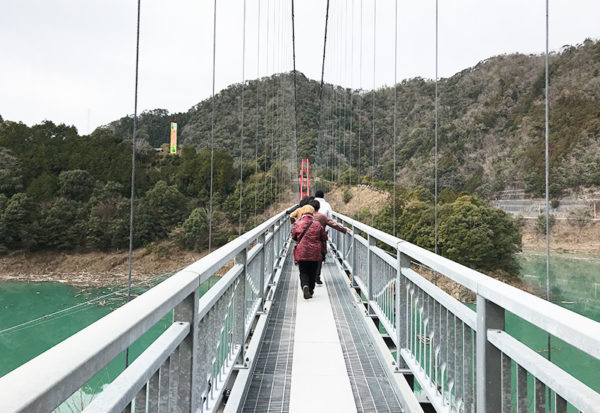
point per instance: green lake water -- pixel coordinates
(22, 339)
(575, 285)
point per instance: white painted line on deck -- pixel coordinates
(320, 380)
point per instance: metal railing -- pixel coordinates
(464, 360)
(188, 367)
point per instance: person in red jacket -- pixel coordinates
(311, 241)
(325, 222)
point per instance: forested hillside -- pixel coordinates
(491, 124)
(63, 191)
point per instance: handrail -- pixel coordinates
(573, 328)
(45, 382)
(443, 342)
(461, 357)
(582, 397)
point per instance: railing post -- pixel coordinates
(343, 251)
(278, 238)
(261, 282)
(488, 360)
(187, 311)
(370, 272)
(273, 256)
(401, 308)
(354, 265)
(240, 306)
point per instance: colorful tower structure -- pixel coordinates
(304, 179)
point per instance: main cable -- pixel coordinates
(131, 206)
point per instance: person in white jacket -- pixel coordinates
(325, 207)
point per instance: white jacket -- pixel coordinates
(325, 208)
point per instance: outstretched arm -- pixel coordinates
(331, 223)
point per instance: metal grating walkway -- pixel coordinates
(271, 384)
(371, 388)
(271, 381)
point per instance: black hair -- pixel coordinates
(315, 204)
(305, 200)
(319, 194)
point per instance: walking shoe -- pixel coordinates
(319, 282)
(306, 292)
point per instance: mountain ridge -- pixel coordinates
(491, 125)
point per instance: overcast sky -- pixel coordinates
(73, 61)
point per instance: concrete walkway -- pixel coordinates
(320, 380)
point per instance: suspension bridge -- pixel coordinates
(377, 337)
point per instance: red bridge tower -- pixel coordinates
(304, 179)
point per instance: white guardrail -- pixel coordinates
(463, 359)
(201, 349)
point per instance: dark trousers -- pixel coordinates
(318, 271)
(308, 273)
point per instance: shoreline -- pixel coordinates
(150, 265)
(110, 269)
(95, 269)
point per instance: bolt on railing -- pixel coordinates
(463, 359)
(188, 367)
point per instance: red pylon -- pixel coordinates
(304, 179)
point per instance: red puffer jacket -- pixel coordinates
(313, 243)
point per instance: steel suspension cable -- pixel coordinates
(242, 119)
(360, 94)
(212, 129)
(340, 108)
(278, 105)
(345, 65)
(256, 135)
(373, 105)
(279, 99)
(334, 101)
(273, 106)
(334, 80)
(395, 111)
(547, 155)
(435, 156)
(286, 135)
(266, 114)
(351, 91)
(131, 205)
(321, 130)
(295, 96)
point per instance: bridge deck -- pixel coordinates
(317, 355)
